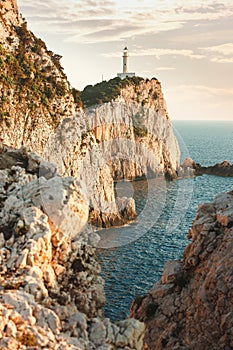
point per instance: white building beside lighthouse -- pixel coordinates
(125, 72)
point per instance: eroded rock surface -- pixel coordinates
(51, 293)
(191, 307)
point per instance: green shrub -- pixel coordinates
(44, 100)
(150, 310)
(139, 299)
(139, 128)
(77, 97)
(61, 89)
(155, 96)
(2, 50)
(140, 131)
(5, 117)
(181, 280)
(106, 91)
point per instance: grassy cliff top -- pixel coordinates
(106, 91)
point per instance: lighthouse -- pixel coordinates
(125, 60)
(125, 73)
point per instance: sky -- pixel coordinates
(186, 44)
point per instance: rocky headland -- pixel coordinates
(59, 159)
(123, 137)
(191, 307)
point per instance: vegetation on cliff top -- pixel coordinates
(106, 91)
(30, 75)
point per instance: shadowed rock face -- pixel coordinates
(191, 307)
(51, 292)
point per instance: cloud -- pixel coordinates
(101, 33)
(220, 53)
(205, 92)
(158, 53)
(200, 102)
(209, 11)
(164, 68)
(69, 12)
(139, 18)
(211, 8)
(224, 49)
(222, 60)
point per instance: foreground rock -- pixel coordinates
(191, 307)
(51, 293)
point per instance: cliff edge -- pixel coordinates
(191, 307)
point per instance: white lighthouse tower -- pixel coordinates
(125, 60)
(125, 73)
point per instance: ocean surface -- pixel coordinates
(134, 255)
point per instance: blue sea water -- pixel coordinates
(166, 212)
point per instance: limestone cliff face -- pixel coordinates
(126, 138)
(35, 94)
(191, 307)
(139, 119)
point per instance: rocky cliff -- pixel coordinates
(191, 307)
(51, 293)
(128, 137)
(122, 139)
(35, 94)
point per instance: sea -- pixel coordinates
(132, 257)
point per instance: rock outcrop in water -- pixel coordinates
(189, 168)
(51, 293)
(191, 307)
(219, 169)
